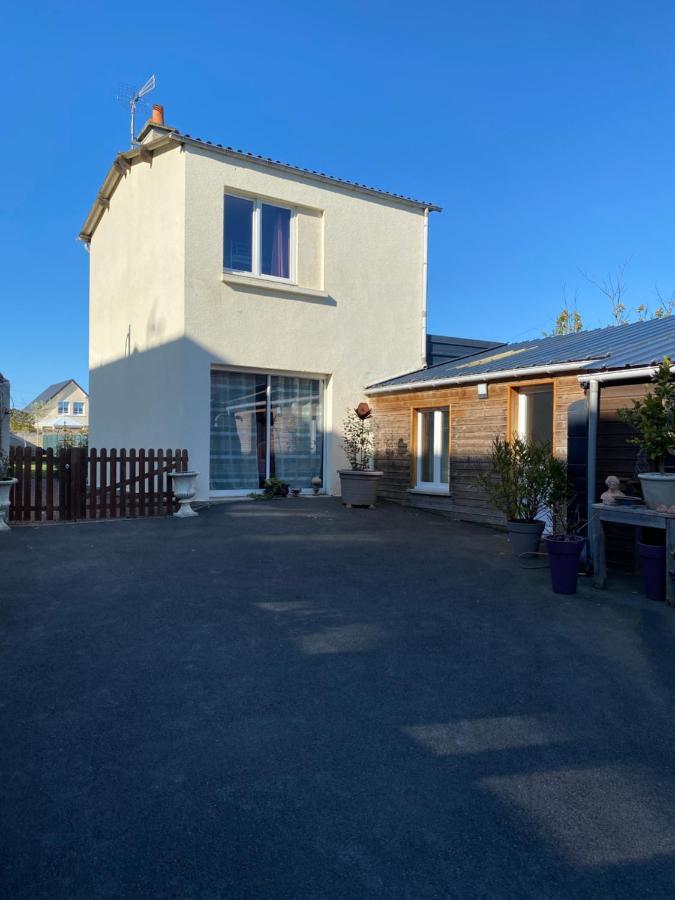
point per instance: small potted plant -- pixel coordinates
(564, 543)
(518, 484)
(7, 481)
(653, 420)
(359, 483)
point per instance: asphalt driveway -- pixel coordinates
(295, 700)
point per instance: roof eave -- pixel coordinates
(117, 171)
(477, 377)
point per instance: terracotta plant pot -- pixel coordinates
(358, 488)
(525, 537)
(563, 561)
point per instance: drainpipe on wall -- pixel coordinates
(593, 403)
(425, 275)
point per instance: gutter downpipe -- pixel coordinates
(425, 286)
(593, 405)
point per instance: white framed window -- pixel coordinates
(258, 238)
(433, 450)
(532, 412)
(78, 408)
(63, 407)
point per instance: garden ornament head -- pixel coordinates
(363, 411)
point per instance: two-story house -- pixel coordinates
(59, 414)
(239, 305)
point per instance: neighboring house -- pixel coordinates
(436, 425)
(239, 305)
(60, 411)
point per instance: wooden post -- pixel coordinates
(168, 495)
(18, 487)
(142, 474)
(27, 483)
(50, 484)
(92, 493)
(75, 483)
(123, 483)
(38, 484)
(112, 489)
(160, 482)
(151, 482)
(132, 482)
(103, 483)
(599, 559)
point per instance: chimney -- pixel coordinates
(157, 114)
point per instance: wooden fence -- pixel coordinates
(85, 483)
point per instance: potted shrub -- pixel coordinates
(358, 485)
(564, 543)
(653, 421)
(7, 481)
(518, 484)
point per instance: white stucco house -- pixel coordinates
(238, 307)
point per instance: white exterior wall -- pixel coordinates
(157, 269)
(365, 253)
(136, 310)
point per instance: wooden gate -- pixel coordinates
(82, 483)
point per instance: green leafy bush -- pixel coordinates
(523, 478)
(653, 418)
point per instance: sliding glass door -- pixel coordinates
(262, 426)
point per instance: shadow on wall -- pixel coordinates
(161, 397)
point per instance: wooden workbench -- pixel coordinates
(639, 517)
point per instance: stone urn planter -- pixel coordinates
(524, 537)
(184, 488)
(359, 487)
(658, 489)
(6, 485)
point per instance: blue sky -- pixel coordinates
(544, 129)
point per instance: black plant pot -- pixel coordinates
(653, 570)
(563, 561)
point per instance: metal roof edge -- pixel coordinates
(477, 377)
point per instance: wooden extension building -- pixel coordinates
(434, 427)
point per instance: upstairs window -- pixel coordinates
(257, 238)
(78, 408)
(63, 407)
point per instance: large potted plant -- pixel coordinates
(358, 485)
(652, 418)
(7, 481)
(564, 543)
(518, 484)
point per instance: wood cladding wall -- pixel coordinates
(474, 424)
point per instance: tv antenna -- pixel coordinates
(134, 98)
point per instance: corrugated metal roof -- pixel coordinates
(603, 349)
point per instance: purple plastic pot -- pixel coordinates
(653, 570)
(563, 561)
